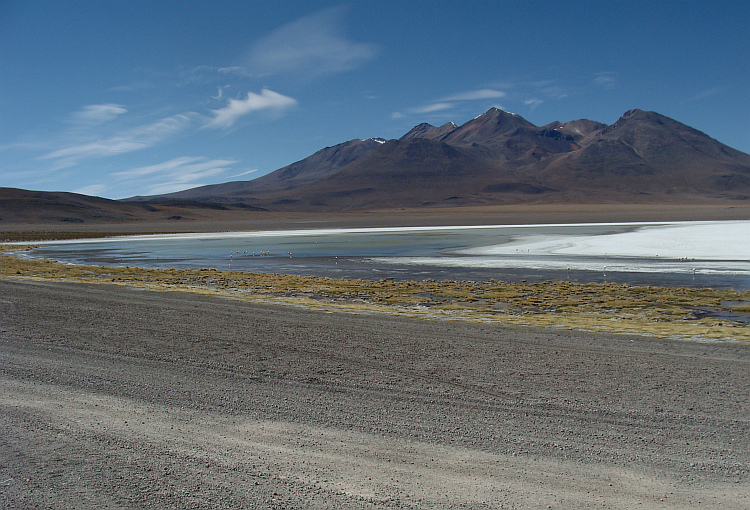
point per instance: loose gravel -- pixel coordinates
(115, 397)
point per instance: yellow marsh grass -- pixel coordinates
(656, 311)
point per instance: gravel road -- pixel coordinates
(113, 397)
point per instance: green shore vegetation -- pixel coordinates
(687, 313)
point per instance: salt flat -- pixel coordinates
(708, 240)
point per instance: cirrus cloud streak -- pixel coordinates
(237, 108)
(474, 95)
(175, 174)
(131, 140)
(311, 46)
(95, 114)
(450, 102)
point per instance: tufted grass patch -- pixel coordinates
(664, 312)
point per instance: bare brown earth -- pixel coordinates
(114, 397)
(528, 213)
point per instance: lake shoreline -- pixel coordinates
(701, 314)
(673, 254)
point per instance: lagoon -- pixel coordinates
(707, 254)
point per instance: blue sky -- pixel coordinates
(118, 99)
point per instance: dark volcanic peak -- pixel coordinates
(491, 129)
(637, 117)
(647, 153)
(419, 131)
(443, 130)
(666, 141)
(429, 131)
(582, 127)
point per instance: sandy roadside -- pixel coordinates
(123, 398)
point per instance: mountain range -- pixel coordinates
(499, 157)
(496, 158)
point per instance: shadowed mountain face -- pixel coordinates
(429, 131)
(500, 157)
(644, 152)
(320, 165)
(413, 172)
(496, 158)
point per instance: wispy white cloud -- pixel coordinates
(220, 93)
(173, 175)
(474, 95)
(554, 92)
(533, 103)
(92, 190)
(606, 80)
(232, 70)
(248, 172)
(166, 187)
(430, 108)
(95, 114)
(131, 140)
(236, 108)
(705, 94)
(450, 102)
(532, 93)
(310, 46)
(182, 169)
(101, 148)
(169, 176)
(136, 86)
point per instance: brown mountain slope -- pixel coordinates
(313, 168)
(644, 152)
(581, 129)
(499, 157)
(429, 131)
(401, 173)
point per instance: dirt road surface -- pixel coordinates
(112, 397)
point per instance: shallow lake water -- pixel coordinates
(705, 254)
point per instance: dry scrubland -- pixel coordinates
(617, 308)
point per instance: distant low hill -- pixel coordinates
(43, 207)
(18, 205)
(498, 158)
